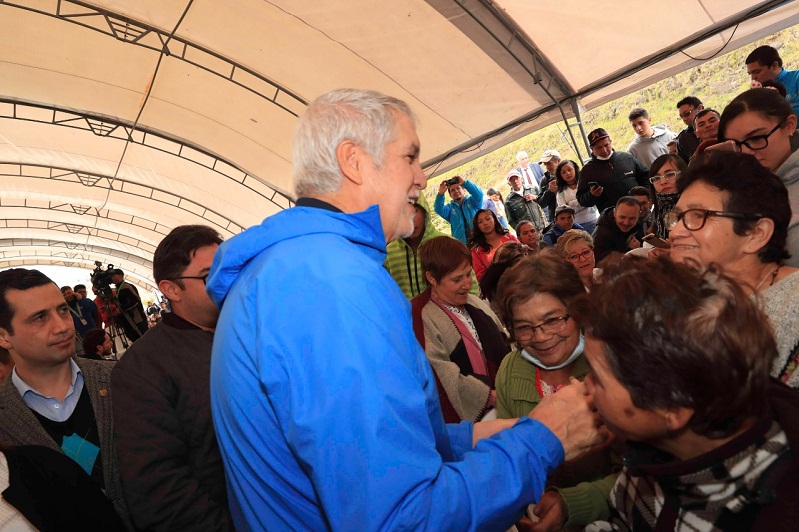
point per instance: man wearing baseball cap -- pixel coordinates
(549, 185)
(564, 220)
(521, 203)
(609, 175)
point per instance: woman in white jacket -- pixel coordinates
(567, 175)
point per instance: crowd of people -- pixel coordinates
(611, 346)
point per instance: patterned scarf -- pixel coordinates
(716, 491)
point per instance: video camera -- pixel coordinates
(101, 280)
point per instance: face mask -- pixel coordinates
(604, 158)
(576, 353)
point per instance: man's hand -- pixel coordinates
(551, 512)
(442, 188)
(633, 243)
(597, 191)
(530, 197)
(553, 185)
(571, 416)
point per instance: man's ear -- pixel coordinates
(5, 339)
(677, 418)
(351, 161)
(170, 289)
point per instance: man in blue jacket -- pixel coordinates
(325, 406)
(765, 64)
(461, 210)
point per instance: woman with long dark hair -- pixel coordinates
(567, 175)
(487, 236)
(663, 175)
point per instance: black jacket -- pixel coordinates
(617, 175)
(687, 142)
(518, 209)
(170, 464)
(608, 237)
(547, 199)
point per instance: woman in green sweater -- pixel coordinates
(533, 298)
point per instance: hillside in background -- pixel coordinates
(715, 82)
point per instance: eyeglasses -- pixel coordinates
(575, 257)
(756, 142)
(667, 176)
(550, 326)
(694, 219)
(200, 277)
(686, 114)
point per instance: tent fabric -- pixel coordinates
(121, 120)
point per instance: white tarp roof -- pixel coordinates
(120, 120)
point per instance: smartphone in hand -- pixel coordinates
(727, 145)
(656, 241)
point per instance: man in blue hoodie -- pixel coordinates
(325, 406)
(467, 199)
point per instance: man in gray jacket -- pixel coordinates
(51, 398)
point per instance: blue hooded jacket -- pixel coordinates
(324, 404)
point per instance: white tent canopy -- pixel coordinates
(121, 120)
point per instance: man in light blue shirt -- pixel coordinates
(765, 64)
(52, 399)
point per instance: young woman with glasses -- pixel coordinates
(663, 175)
(734, 213)
(761, 122)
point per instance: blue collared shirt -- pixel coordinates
(50, 407)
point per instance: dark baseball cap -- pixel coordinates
(597, 135)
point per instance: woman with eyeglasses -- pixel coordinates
(533, 298)
(577, 247)
(734, 213)
(663, 175)
(567, 175)
(761, 122)
(461, 336)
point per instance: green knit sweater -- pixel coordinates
(516, 397)
(516, 391)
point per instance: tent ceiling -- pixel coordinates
(120, 120)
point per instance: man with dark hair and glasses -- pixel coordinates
(687, 141)
(169, 459)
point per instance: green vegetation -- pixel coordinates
(715, 82)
